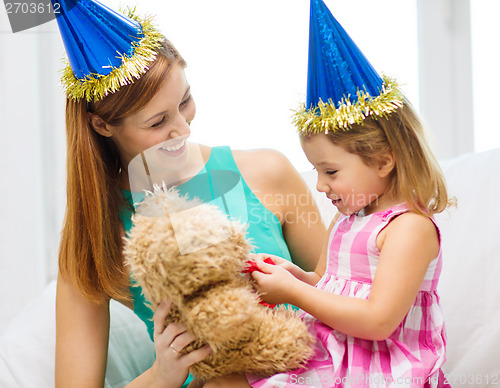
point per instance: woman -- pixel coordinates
(104, 135)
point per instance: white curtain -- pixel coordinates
(32, 161)
(445, 70)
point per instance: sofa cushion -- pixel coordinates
(469, 288)
(27, 346)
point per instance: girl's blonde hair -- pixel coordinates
(90, 253)
(417, 177)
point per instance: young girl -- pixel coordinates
(372, 301)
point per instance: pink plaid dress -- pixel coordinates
(412, 356)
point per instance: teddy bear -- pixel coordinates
(190, 253)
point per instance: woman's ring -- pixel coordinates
(175, 350)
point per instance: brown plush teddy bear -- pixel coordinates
(190, 253)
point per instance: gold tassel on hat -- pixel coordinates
(327, 117)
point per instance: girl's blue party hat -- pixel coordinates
(343, 88)
(105, 49)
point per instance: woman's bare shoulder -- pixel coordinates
(265, 162)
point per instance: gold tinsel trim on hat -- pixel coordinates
(327, 117)
(96, 86)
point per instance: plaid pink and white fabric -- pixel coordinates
(411, 357)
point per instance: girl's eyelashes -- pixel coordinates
(328, 172)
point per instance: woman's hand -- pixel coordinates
(171, 366)
(274, 281)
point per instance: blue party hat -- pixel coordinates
(343, 88)
(105, 49)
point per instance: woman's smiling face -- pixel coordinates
(163, 123)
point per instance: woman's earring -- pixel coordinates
(189, 123)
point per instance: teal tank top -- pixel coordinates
(219, 182)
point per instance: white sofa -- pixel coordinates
(470, 296)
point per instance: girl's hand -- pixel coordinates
(280, 262)
(295, 270)
(170, 366)
(274, 282)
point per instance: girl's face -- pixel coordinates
(161, 127)
(346, 180)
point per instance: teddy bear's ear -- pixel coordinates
(150, 250)
(200, 227)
